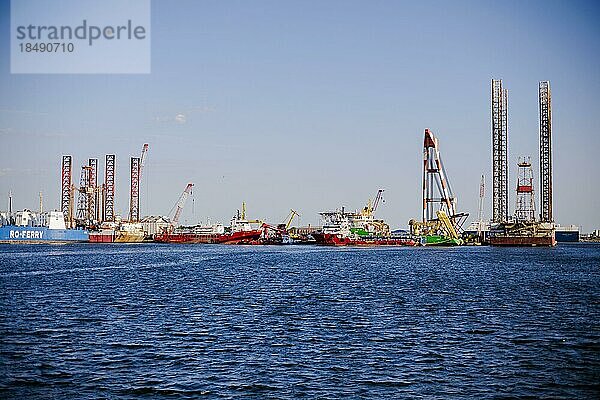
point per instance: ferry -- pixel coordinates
(29, 227)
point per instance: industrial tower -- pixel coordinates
(84, 215)
(93, 199)
(66, 200)
(134, 193)
(545, 152)
(525, 209)
(499, 152)
(109, 189)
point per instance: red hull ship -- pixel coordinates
(330, 239)
(548, 241)
(242, 237)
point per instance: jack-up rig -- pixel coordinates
(441, 224)
(96, 201)
(523, 229)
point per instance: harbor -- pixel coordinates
(87, 211)
(299, 200)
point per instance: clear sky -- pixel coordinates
(313, 105)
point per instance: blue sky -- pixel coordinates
(316, 104)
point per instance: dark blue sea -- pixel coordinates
(208, 321)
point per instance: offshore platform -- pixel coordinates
(522, 229)
(96, 201)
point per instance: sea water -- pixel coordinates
(187, 321)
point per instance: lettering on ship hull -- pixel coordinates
(26, 234)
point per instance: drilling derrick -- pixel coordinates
(109, 188)
(84, 211)
(93, 203)
(545, 152)
(134, 194)
(525, 209)
(499, 151)
(66, 198)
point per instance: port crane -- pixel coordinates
(178, 207)
(141, 168)
(143, 158)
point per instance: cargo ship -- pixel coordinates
(341, 228)
(29, 227)
(567, 234)
(240, 231)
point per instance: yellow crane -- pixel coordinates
(252, 221)
(293, 213)
(371, 206)
(447, 224)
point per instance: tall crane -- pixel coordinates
(371, 206)
(378, 199)
(288, 220)
(481, 197)
(435, 177)
(143, 158)
(141, 167)
(178, 207)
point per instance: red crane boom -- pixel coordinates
(180, 204)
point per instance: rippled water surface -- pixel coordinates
(148, 321)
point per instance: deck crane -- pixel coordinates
(378, 199)
(293, 213)
(178, 207)
(371, 207)
(279, 234)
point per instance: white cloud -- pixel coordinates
(180, 118)
(183, 116)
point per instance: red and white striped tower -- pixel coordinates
(525, 209)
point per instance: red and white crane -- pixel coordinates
(178, 207)
(143, 158)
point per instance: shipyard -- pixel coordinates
(87, 211)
